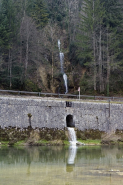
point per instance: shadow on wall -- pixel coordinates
(69, 121)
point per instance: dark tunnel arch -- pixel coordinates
(69, 121)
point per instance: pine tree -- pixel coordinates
(39, 13)
(4, 31)
(8, 29)
(113, 22)
(56, 10)
(90, 31)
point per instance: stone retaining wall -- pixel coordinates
(52, 113)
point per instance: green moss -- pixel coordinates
(4, 143)
(43, 141)
(66, 142)
(93, 142)
(19, 143)
(120, 143)
(89, 134)
(53, 142)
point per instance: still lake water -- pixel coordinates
(93, 165)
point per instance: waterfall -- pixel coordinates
(59, 44)
(62, 62)
(65, 81)
(72, 136)
(62, 66)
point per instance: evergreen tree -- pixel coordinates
(37, 9)
(113, 23)
(4, 31)
(8, 30)
(88, 38)
(56, 10)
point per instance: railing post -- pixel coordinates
(109, 107)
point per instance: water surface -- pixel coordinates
(61, 166)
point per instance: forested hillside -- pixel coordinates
(91, 36)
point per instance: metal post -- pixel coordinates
(109, 108)
(79, 95)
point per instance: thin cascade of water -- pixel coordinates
(65, 81)
(62, 61)
(72, 136)
(59, 44)
(62, 66)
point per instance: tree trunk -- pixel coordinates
(108, 65)
(21, 37)
(100, 63)
(10, 70)
(94, 52)
(52, 67)
(27, 51)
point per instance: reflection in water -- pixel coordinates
(29, 163)
(72, 154)
(71, 158)
(51, 165)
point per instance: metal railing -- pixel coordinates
(73, 96)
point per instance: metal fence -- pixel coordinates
(72, 96)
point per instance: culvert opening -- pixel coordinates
(69, 121)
